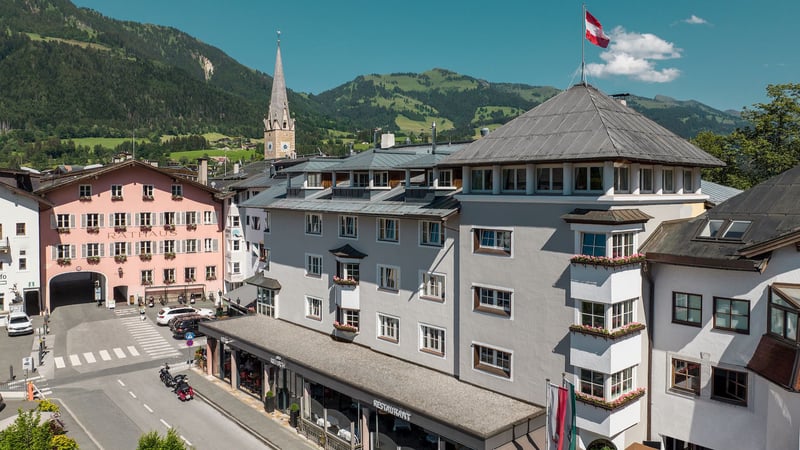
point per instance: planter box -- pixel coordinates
(605, 355)
(605, 284)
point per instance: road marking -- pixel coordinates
(74, 360)
(186, 440)
(165, 423)
(89, 356)
(120, 354)
(132, 350)
(59, 362)
(104, 355)
(132, 394)
(121, 383)
(148, 408)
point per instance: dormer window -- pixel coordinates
(589, 178)
(360, 179)
(621, 179)
(712, 228)
(314, 180)
(736, 229)
(380, 179)
(721, 229)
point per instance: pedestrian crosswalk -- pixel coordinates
(42, 386)
(148, 338)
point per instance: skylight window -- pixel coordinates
(736, 229)
(712, 228)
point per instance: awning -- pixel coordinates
(262, 281)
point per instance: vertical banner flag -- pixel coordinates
(561, 418)
(594, 32)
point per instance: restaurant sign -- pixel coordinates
(393, 410)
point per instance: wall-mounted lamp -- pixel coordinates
(119, 271)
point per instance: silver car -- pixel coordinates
(19, 323)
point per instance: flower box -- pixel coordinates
(169, 227)
(191, 226)
(63, 261)
(147, 198)
(345, 327)
(211, 278)
(93, 229)
(85, 198)
(619, 402)
(120, 229)
(120, 258)
(93, 259)
(344, 281)
(145, 228)
(169, 255)
(116, 198)
(605, 261)
(62, 230)
(146, 256)
(190, 280)
(177, 197)
(169, 281)
(146, 282)
(633, 327)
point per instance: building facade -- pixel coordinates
(129, 231)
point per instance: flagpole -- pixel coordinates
(583, 44)
(547, 413)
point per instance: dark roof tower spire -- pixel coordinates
(278, 124)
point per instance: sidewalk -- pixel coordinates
(248, 413)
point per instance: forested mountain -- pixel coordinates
(71, 72)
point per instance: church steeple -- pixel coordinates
(278, 123)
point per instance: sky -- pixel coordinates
(721, 53)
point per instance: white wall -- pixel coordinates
(19, 209)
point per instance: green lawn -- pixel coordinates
(233, 155)
(109, 143)
(415, 126)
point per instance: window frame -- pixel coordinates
(621, 383)
(590, 316)
(21, 229)
(347, 221)
(426, 235)
(721, 393)
(498, 240)
(551, 179)
(623, 313)
(622, 179)
(428, 279)
(668, 175)
(646, 185)
(310, 264)
(176, 190)
(488, 359)
(518, 179)
(594, 246)
(430, 334)
(588, 383)
(382, 230)
(310, 224)
(388, 328)
(692, 371)
(485, 175)
(585, 178)
(313, 308)
(488, 299)
(730, 314)
(84, 190)
(388, 278)
(147, 191)
(688, 308)
(116, 191)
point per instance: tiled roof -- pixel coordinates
(777, 361)
(606, 217)
(582, 124)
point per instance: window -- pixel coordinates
(514, 180)
(169, 275)
(313, 265)
(646, 180)
(432, 286)
(360, 179)
(145, 247)
(93, 220)
(668, 181)
(235, 221)
(236, 268)
(146, 276)
(189, 274)
(731, 314)
(549, 179)
(482, 180)
(380, 179)
(191, 218)
(177, 191)
(265, 302)
(783, 311)
(63, 221)
(686, 376)
(92, 250)
(209, 217)
(622, 179)
(348, 271)
(445, 178)
(592, 383)
(169, 246)
(622, 244)
(314, 180)
(20, 228)
(190, 246)
(388, 278)
(388, 328)
(85, 190)
(169, 218)
(145, 219)
(23, 263)
(593, 244)
(431, 233)
(729, 386)
(314, 224)
(621, 382)
(431, 340)
(211, 272)
(121, 248)
(593, 314)
(589, 178)
(63, 251)
(255, 222)
(688, 187)
(491, 360)
(711, 228)
(147, 191)
(348, 226)
(387, 229)
(116, 192)
(236, 245)
(687, 308)
(314, 308)
(496, 242)
(211, 245)
(621, 314)
(492, 300)
(736, 229)
(350, 317)
(120, 220)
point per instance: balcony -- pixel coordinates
(4, 245)
(603, 353)
(607, 422)
(347, 296)
(605, 283)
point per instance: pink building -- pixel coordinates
(129, 230)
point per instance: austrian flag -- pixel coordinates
(594, 32)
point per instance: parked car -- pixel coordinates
(184, 324)
(167, 313)
(19, 323)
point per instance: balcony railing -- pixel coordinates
(351, 193)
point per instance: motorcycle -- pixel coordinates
(183, 390)
(151, 302)
(162, 300)
(181, 300)
(166, 377)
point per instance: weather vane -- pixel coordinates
(279, 36)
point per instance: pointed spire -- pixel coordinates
(278, 115)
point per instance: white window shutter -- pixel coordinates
(178, 246)
(102, 248)
(53, 223)
(127, 248)
(215, 245)
(83, 250)
(137, 219)
(111, 219)
(138, 248)
(83, 220)
(72, 220)
(72, 251)
(160, 247)
(54, 252)
(101, 218)
(128, 219)
(161, 218)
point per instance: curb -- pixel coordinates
(235, 420)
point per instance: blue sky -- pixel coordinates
(721, 53)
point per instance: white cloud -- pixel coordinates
(633, 55)
(694, 20)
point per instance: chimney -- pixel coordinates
(236, 168)
(387, 140)
(202, 170)
(433, 137)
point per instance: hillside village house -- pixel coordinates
(726, 302)
(129, 231)
(467, 277)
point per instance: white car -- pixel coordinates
(19, 323)
(167, 313)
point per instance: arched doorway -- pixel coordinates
(76, 287)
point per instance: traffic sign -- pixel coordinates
(189, 335)
(189, 342)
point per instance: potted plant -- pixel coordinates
(120, 258)
(294, 414)
(62, 230)
(191, 226)
(147, 198)
(120, 228)
(92, 229)
(145, 256)
(269, 402)
(145, 228)
(169, 227)
(177, 197)
(93, 259)
(169, 255)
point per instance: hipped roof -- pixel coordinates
(582, 124)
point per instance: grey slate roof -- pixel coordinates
(717, 193)
(479, 412)
(772, 208)
(315, 165)
(377, 159)
(582, 124)
(276, 190)
(606, 217)
(440, 208)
